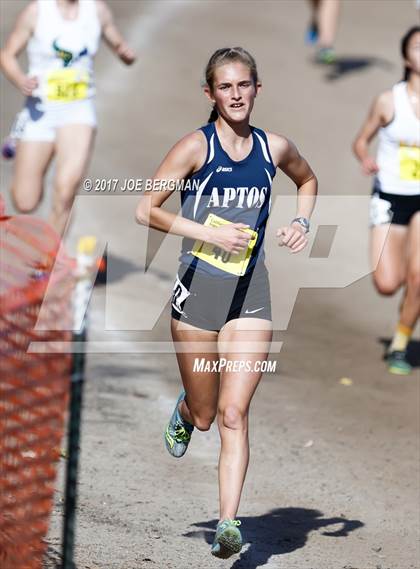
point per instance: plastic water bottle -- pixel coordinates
(85, 265)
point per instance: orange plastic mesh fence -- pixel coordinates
(34, 385)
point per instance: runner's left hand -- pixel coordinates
(126, 54)
(292, 236)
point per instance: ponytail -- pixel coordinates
(214, 114)
(404, 49)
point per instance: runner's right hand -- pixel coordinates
(369, 166)
(230, 237)
(126, 54)
(27, 85)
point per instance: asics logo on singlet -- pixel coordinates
(223, 169)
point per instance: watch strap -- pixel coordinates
(302, 221)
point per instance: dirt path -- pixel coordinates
(333, 480)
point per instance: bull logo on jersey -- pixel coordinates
(67, 56)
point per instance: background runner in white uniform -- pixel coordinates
(395, 204)
(60, 54)
(62, 38)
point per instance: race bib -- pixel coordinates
(66, 85)
(234, 263)
(409, 158)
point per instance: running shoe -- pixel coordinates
(8, 150)
(178, 432)
(397, 363)
(228, 539)
(326, 55)
(311, 35)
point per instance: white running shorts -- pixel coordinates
(40, 120)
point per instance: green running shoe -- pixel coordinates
(228, 539)
(398, 364)
(178, 432)
(326, 55)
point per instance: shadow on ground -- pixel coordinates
(413, 350)
(280, 531)
(346, 65)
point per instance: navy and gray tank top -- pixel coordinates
(226, 190)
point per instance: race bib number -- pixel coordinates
(66, 85)
(234, 263)
(409, 158)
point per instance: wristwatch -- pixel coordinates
(302, 221)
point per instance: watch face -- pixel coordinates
(303, 221)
